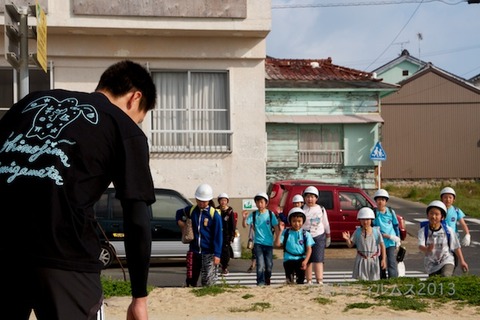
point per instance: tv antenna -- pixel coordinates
(420, 38)
(401, 44)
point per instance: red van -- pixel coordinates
(341, 202)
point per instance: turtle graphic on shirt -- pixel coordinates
(53, 116)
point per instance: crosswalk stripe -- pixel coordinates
(249, 279)
(473, 220)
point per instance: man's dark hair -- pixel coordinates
(125, 76)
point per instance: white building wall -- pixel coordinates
(81, 47)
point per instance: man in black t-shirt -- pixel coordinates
(59, 151)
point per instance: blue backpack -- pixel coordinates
(284, 244)
(424, 225)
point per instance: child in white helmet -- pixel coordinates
(228, 228)
(205, 249)
(438, 241)
(454, 214)
(317, 224)
(264, 224)
(297, 246)
(370, 247)
(297, 201)
(386, 220)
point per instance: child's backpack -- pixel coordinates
(254, 214)
(235, 219)
(396, 227)
(424, 225)
(284, 244)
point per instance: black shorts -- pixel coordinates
(51, 293)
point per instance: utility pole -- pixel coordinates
(17, 33)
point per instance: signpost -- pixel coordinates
(378, 154)
(17, 33)
(41, 37)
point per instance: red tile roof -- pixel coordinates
(311, 70)
(318, 74)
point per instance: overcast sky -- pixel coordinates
(367, 37)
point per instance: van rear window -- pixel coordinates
(325, 199)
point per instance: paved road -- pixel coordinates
(171, 272)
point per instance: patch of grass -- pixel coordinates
(322, 300)
(415, 294)
(215, 289)
(117, 288)
(257, 306)
(468, 194)
(209, 291)
(403, 303)
(247, 296)
(358, 305)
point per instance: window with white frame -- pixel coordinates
(192, 112)
(321, 145)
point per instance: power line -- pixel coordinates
(362, 3)
(398, 34)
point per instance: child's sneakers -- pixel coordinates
(225, 271)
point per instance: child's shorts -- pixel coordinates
(318, 249)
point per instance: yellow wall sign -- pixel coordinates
(41, 37)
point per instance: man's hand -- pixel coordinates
(137, 310)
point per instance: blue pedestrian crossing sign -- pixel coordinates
(378, 154)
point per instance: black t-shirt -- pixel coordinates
(59, 151)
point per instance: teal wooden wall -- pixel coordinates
(320, 103)
(358, 138)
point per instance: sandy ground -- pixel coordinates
(285, 302)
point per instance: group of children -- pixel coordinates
(378, 236)
(304, 241)
(376, 239)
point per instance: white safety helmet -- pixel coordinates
(223, 195)
(381, 193)
(261, 195)
(297, 198)
(311, 190)
(365, 213)
(449, 191)
(440, 205)
(204, 192)
(296, 211)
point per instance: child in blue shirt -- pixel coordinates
(297, 245)
(264, 224)
(386, 219)
(454, 214)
